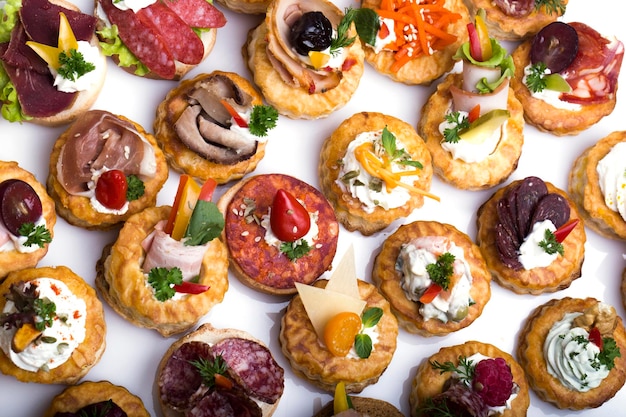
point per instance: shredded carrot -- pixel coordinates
(420, 28)
(381, 168)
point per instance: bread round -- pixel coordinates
(311, 360)
(87, 354)
(489, 172)
(389, 280)
(183, 159)
(208, 38)
(511, 28)
(530, 353)
(258, 264)
(210, 335)
(74, 398)
(79, 211)
(14, 260)
(425, 69)
(350, 211)
(121, 282)
(85, 98)
(584, 189)
(371, 406)
(554, 277)
(429, 381)
(545, 116)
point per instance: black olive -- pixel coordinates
(312, 32)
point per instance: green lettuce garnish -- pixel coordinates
(500, 58)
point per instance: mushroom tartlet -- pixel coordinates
(214, 126)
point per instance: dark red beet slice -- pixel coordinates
(19, 204)
(556, 45)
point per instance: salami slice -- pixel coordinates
(515, 8)
(530, 190)
(552, 207)
(225, 403)
(253, 367)
(181, 40)
(144, 41)
(198, 13)
(459, 400)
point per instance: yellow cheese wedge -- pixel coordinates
(343, 279)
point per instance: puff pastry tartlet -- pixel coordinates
(198, 134)
(374, 169)
(101, 146)
(411, 261)
(389, 55)
(531, 236)
(124, 274)
(63, 340)
(498, 385)
(571, 350)
(91, 396)
(516, 20)
(288, 79)
(246, 6)
(24, 234)
(310, 357)
(597, 186)
(588, 62)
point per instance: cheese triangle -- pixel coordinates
(340, 295)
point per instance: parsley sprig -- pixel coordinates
(550, 245)
(262, 119)
(459, 123)
(73, 65)
(46, 311)
(536, 78)
(551, 6)
(441, 271)
(35, 235)
(295, 250)
(136, 188)
(163, 280)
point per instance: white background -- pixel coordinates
(132, 353)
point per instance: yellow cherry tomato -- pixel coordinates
(340, 331)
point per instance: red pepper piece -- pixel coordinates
(187, 287)
(236, 116)
(561, 233)
(474, 42)
(289, 219)
(430, 293)
(595, 337)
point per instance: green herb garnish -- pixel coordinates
(551, 6)
(399, 156)
(45, 310)
(609, 352)
(465, 369)
(362, 341)
(136, 188)
(295, 250)
(208, 369)
(536, 78)
(441, 271)
(73, 65)
(459, 122)
(35, 235)
(550, 245)
(262, 119)
(206, 223)
(163, 280)
(367, 25)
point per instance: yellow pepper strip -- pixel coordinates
(340, 400)
(188, 198)
(67, 41)
(483, 37)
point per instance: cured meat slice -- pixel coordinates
(552, 207)
(459, 400)
(183, 43)
(17, 54)
(102, 408)
(144, 41)
(529, 191)
(221, 403)
(507, 219)
(41, 20)
(198, 13)
(253, 367)
(515, 8)
(507, 245)
(180, 384)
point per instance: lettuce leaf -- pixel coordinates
(8, 17)
(10, 108)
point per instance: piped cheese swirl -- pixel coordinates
(612, 178)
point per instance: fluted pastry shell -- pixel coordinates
(185, 160)
(424, 69)
(87, 354)
(296, 102)
(428, 381)
(531, 358)
(349, 210)
(388, 279)
(554, 277)
(246, 6)
(311, 360)
(14, 260)
(489, 172)
(78, 210)
(546, 117)
(75, 397)
(584, 188)
(511, 28)
(121, 282)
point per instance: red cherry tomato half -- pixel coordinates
(111, 189)
(289, 219)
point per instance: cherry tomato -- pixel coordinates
(289, 219)
(340, 332)
(111, 189)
